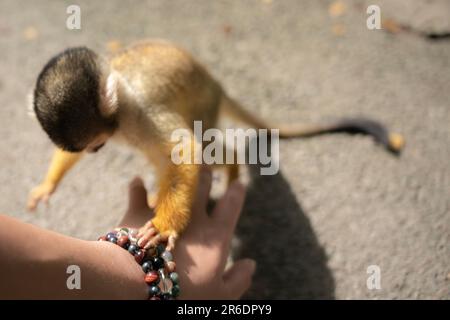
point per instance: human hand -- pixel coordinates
(202, 250)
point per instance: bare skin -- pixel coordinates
(202, 251)
(37, 259)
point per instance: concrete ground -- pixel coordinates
(340, 203)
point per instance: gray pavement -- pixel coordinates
(340, 203)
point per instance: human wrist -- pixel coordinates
(155, 262)
(121, 273)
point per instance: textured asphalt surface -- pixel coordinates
(340, 202)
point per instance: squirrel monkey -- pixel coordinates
(139, 96)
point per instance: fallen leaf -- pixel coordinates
(114, 46)
(391, 26)
(338, 29)
(336, 9)
(30, 33)
(227, 29)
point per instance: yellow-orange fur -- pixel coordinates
(161, 88)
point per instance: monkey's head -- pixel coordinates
(75, 100)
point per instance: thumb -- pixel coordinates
(238, 277)
(137, 195)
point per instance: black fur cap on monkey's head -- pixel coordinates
(66, 99)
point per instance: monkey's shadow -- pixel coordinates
(274, 230)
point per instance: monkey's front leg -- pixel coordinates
(177, 189)
(61, 162)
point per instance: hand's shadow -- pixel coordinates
(274, 230)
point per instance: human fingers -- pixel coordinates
(238, 278)
(137, 195)
(227, 211)
(202, 196)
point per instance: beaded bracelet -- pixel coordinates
(156, 262)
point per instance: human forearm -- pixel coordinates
(34, 262)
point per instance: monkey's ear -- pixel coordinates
(108, 95)
(30, 104)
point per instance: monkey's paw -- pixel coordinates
(40, 193)
(149, 236)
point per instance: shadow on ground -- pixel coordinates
(275, 231)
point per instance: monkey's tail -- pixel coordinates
(394, 142)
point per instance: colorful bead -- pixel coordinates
(165, 285)
(133, 249)
(166, 296)
(123, 241)
(139, 256)
(170, 266)
(132, 234)
(147, 266)
(157, 263)
(154, 290)
(152, 277)
(151, 252)
(112, 239)
(175, 291)
(167, 256)
(174, 277)
(111, 235)
(160, 249)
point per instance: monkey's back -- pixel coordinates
(165, 76)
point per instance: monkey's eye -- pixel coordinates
(70, 148)
(96, 148)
